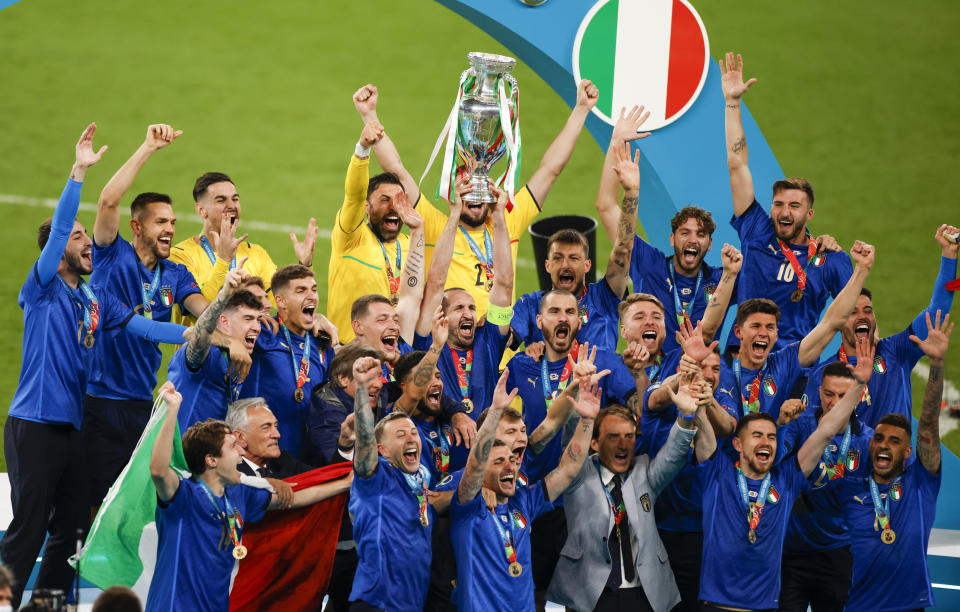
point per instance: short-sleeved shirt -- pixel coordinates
(767, 273)
(526, 376)
(735, 572)
(431, 454)
(210, 274)
(487, 351)
(890, 389)
(207, 390)
(483, 578)
(194, 559)
(127, 365)
(818, 524)
(466, 271)
(780, 372)
(598, 306)
(357, 265)
(650, 272)
(56, 366)
(394, 548)
(272, 377)
(875, 564)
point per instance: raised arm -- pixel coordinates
(618, 266)
(637, 358)
(837, 313)
(365, 370)
(705, 443)
(416, 387)
(558, 153)
(441, 258)
(626, 129)
(164, 478)
(503, 271)
(836, 420)
(571, 462)
(365, 101)
(928, 430)
(352, 211)
(199, 345)
(472, 480)
(942, 298)
(720, 300)
(414, 269)
(67, 207)
(108, 214)
(741, 181)
(672, 457)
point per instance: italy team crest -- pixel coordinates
(522, 479)
(853, 460)
(166, 296)
(708, 292)
(773, 496)
(645, 502)
(896, 491)
(820, 259)
(519, 520)
(879, 365)
(769, 387)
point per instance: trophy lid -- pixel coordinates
(491, 61)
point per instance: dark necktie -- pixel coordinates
(263, 472)
(619, 543)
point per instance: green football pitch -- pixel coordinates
(859, 97)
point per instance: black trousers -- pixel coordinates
(684, 548)
(341, 581)
(45, 464)
(547, 536)
(623, 600)
(820, 580)
(443, 569)
(110, 432)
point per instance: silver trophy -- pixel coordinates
(481, 135)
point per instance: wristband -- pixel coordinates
(689, 418)
(499, 315)
(361, 151)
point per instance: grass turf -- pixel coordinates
(859, 97)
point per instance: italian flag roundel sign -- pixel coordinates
(653, 53)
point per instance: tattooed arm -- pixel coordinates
(571, 462)
(365, 370)
(928, 430)
(199, 345)
(741, 181)
(720, 300)
(503, 270)
(618, 267)
(472, 480)
(415, 387)
(414, 267)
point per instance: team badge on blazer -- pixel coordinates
(645, 502)
(519, 520)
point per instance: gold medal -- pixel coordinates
(394, 299)
(887, 536)
(298, 395)
(239, 551)
(796, 296)
(489, 284)
(468, 405)
(88, 340)
(423, 518)
(752, 536)
(515, 569)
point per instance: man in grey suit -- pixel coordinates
(613, 558)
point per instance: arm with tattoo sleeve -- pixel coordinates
(472, 480)
(928, 431)
(365, 450)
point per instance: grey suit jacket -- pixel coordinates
(585, 562)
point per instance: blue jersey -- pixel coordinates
(651, 271)
(436, 440)
(127, 365)
(817, 522)
(777, 377)
(483, 577)
(767, 273)
(272, 377)
(56, 365)
(526, 375)
(735, 572)
(876, 564)
(207, 390)
(394, 548)
(599, 318)
(194, 559)
(484, 363)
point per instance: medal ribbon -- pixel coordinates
(486, 260)
(506, 536)
(753, 404)
(441, 452)
(148, 293)
(842, 356)
(882, 510)
(581, 307)
(654, 371)
(800, 273)
(463, 370)
(231, 518)
(392, 279)
(211, 255)
(91, 314)
(303, 370)
(619, 510)
(835, 466)
(418, 484)
(753, 513)
(549, 395)
(683, 314)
